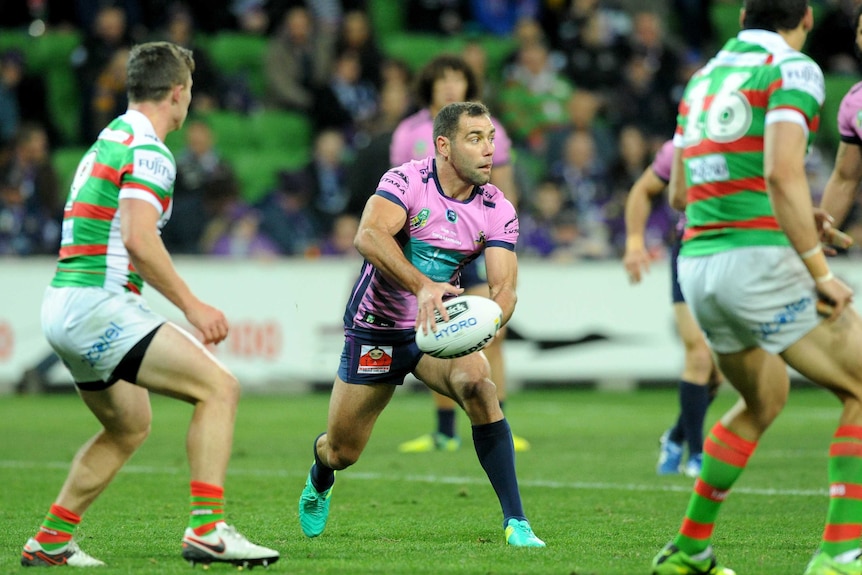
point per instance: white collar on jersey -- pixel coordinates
(772, 41)
(141, 124)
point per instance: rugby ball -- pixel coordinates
(473, 322)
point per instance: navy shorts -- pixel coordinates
(378, 355)
(474, 273)
(676, 292)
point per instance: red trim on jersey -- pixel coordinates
(706, 490)
(105, 172)
(746, 144)
(835, 532)
(764, 222)
(696, 530)
(845, 450)
(133, 288)
(849, 431)
(164, 202)
(92, 211)
(718, 189)
(92, 250)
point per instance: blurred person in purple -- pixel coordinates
(345, 101)
(288, 216)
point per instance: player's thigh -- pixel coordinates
(457, 378)
(831, 354)
(178, 365)
(353, 411)
(122, 408)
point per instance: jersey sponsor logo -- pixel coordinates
(374, 359)
(155, 168)
(401, 175)
(420, 219)
(374, 319)
(102, 344)
(451, 216)
(804, 76)
(712, 168)
(859, 119)
(512, 226)
(395, 183)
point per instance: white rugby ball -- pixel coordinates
(473, 322)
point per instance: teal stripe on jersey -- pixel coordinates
(436, 263)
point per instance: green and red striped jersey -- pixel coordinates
(755, 79)
(128, 160)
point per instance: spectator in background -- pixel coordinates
(533, 99)
(596, 54)
(109, 92)
(180, 29)
(583, 176)
(288, 216)
(339, 240)
(298, 60)
(205, 189)
(346, 102)
(663, 58)
(832, 42)
(446, 17)
(357, 36)
(108, 34)
(31, 201)
(545, 213)
(327, 177)
(694, 24)
(236, 234)
(11, 75)
(640, 101)
(583, 113)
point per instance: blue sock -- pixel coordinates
(693, 401)
(446, 422)
(322, 477)
(493, 442)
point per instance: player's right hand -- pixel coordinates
(636, 262)
(835, 295)
(430, 300)
(210, 321)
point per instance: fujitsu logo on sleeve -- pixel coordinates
(155, 168)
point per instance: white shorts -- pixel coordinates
(750, 297)
(92, 329)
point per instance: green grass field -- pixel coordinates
(588, 485)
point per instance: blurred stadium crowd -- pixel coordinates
(294, 105)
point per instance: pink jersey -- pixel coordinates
(850, 116)
(663, 162)
(441, 236)
(413, 139)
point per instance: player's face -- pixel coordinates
(473, 149)
(450, 87)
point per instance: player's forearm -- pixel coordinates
(636, 216)
(838, 197)
(153, 262)
(791, 202)
(384, 253)
(506, 298)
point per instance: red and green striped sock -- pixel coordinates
(207, 503)
(843, 528)
(725, 455)
(57, 528)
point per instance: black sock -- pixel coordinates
(493, 442)
(677, 432)
(694, 401)
(446, 422)
(322, 477)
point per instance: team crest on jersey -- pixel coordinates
(451, 216)
(859, 119)
(420, 219)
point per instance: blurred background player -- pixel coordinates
(699, 375)
(444, 80)
(117, 349)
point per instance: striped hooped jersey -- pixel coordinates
(127, 161)
(755, 80)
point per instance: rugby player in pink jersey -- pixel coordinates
(446, 79)
(699, 376)
(425, 222)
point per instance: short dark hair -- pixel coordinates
(773, 15)
(435, 69)
(447, 119)
(155, 68)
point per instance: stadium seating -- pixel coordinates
(387, 17)
(65, 162)
(239, 57)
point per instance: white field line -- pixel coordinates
(369, 476)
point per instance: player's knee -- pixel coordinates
(698, 361)
(131, 435)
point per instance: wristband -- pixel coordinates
(812, 252)
(816, 264)
(824, 278)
